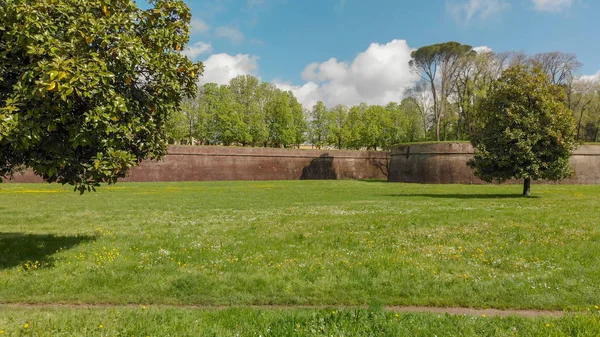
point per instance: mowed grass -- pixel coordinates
(285, 243)
(150, 321)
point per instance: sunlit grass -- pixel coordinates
(150, 321)
(302, 242)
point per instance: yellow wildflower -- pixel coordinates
(26, 326)
(483, 316)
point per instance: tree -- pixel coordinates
(229, 124)
(581, 97)
(246, 90)
(422, 99)
(337, 130)
(300, 125)
(280, 120)
(320, 119)
(442, 58)
(524, 130)
(374, 121)
(86, 86)
(354, 126)
(559, 66)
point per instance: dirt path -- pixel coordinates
(398, 309)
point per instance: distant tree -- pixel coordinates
(439, 64)
(300, 125)
(560, 67)
(280, 121)
(177, 127)
(422, 99)
(582, 95)
(247, 91)
(524, 130)
(396, 126)
(416, 128)
(86, 86)
(320, 119)
(226, 125)
(375, 120)
(353, 128)
(337, 130)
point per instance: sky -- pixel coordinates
(352, 51)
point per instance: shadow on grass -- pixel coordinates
(464, 196)
(16, 249)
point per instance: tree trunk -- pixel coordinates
(527, 187)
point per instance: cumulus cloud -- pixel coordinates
(378, 75)
(199, 26)
(552, 5)
(465, 11)
(591, 78)
(221, 68)
(197, 49)
(482, 49)
(231, 33)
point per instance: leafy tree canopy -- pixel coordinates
(86, 85)
(523, 130)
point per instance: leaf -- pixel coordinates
(51, 86)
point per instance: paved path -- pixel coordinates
(399, 309)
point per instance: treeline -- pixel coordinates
(248, 112)
(455, 78)
(443, 105)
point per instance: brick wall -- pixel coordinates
(446, 163)
(197, 163)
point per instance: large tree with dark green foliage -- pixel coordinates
(86, 86)
(523, 129)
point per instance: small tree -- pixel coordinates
(86, 86)
(523, 131)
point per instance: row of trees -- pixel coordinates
(455, 79)
(245, 112)
(441, 106)
(249, 112)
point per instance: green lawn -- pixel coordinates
(161, 322)
(332, 243)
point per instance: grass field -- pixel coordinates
(333, 243)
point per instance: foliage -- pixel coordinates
(86, 86)
(320, 124)
(524, 130)
(439, 66)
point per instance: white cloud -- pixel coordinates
(220, 68)
(551, 5)
(591, 78)
(466, 10)
(199, 26)
(378, 75)
(482, 49)
(231, 33)
(197, 49)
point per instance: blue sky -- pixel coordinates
(292, 42)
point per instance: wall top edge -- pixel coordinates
(467, 149)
